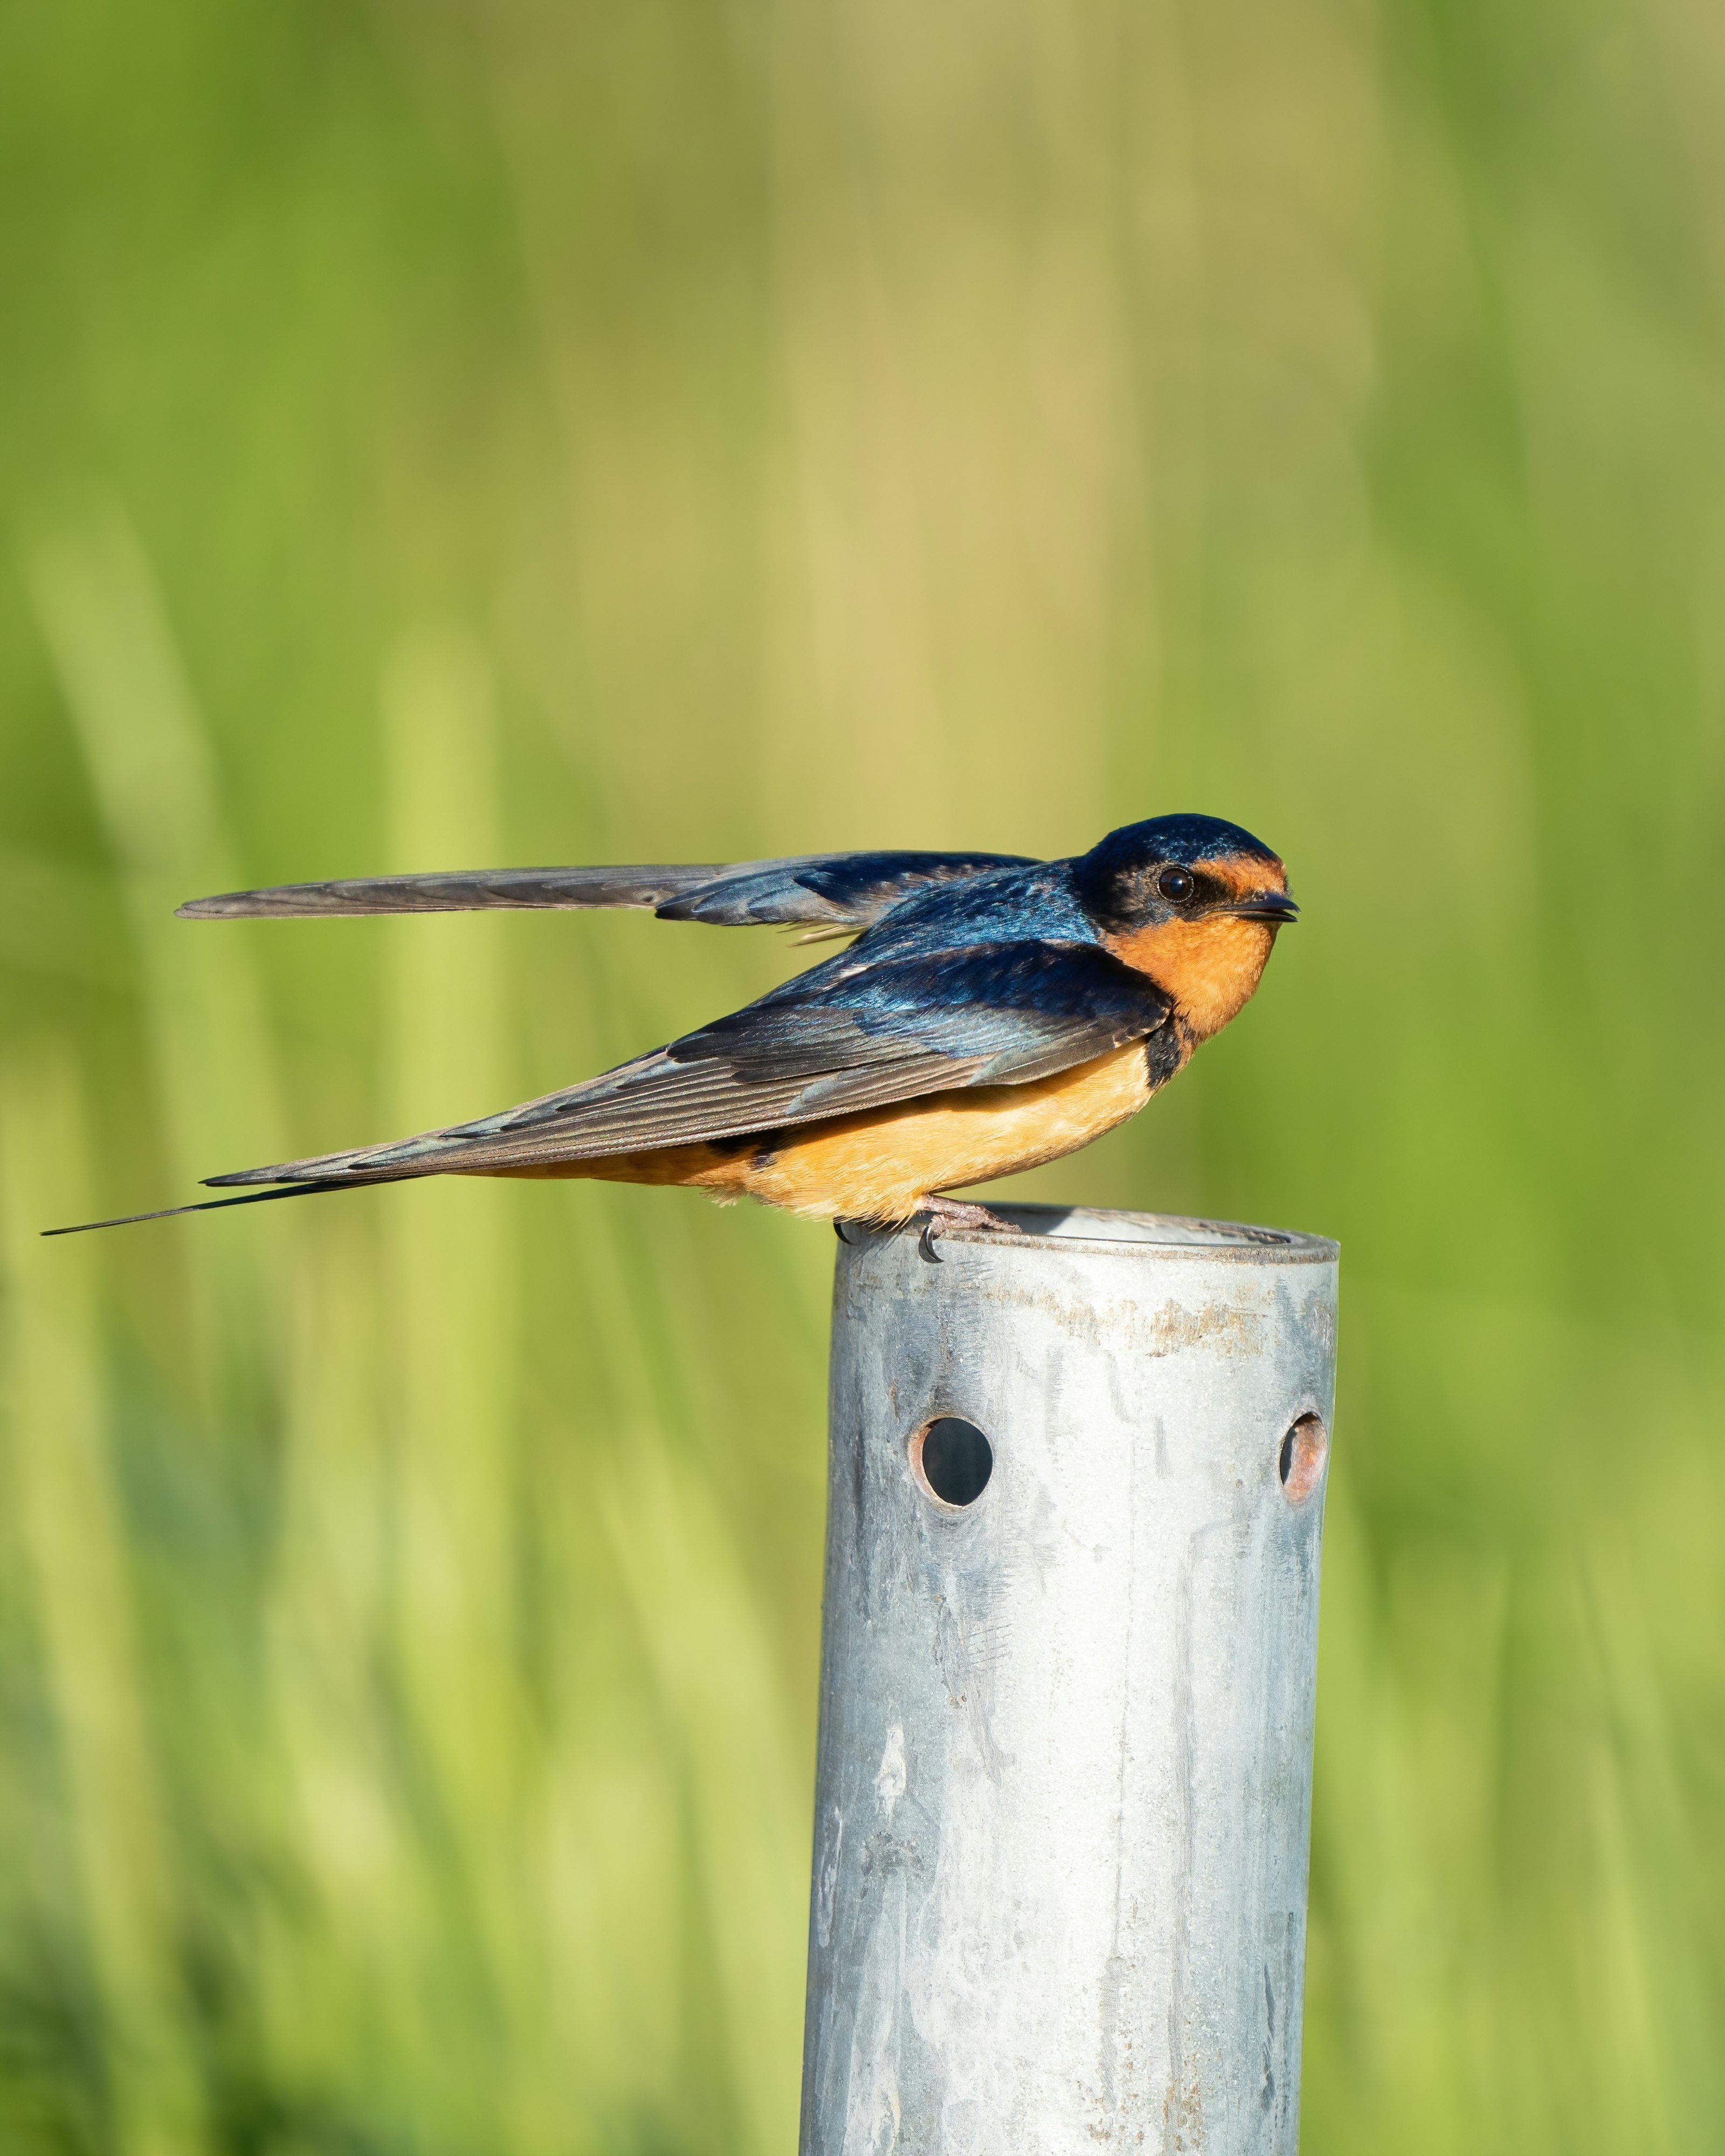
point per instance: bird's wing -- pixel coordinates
(842, 1038)
(840, 893)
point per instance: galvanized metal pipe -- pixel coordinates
(1063, 1796)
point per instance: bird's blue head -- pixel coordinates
(1192, 902)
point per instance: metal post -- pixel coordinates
(1069, 1643)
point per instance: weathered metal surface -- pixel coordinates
(1062, 1807)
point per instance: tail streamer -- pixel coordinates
(217, 1204)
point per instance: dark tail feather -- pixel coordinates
(216, 1205)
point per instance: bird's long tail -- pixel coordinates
(217, 1204)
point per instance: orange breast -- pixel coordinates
(881, 1165)
(1210, 966)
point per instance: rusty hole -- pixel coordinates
(1304, 1451)
(953, 1461)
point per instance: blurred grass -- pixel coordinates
(458, 433)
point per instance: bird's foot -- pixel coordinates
(841, 1229)
(955, 1213)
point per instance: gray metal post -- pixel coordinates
(1063, 1797)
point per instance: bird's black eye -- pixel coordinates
(1175, 886)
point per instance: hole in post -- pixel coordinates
(951, 1460)
(1304, 1451)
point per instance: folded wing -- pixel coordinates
(838, 893)
(841, 1038)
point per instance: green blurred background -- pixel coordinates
(440, 433)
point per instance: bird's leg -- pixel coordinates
(954, 1212)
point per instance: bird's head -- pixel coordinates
(1192, 902)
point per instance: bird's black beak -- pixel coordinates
(1274, 906)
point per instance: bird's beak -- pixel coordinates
(1272, 906)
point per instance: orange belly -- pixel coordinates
(882, 1164)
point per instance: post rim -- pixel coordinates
(1185, 1236)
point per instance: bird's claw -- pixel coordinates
(942, 1212)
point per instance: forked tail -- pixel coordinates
(216, 1205)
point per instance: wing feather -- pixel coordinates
(838, 893)
(836, 1040)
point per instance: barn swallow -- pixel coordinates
(994, 1012)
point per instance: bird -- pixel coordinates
(994, 1011)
